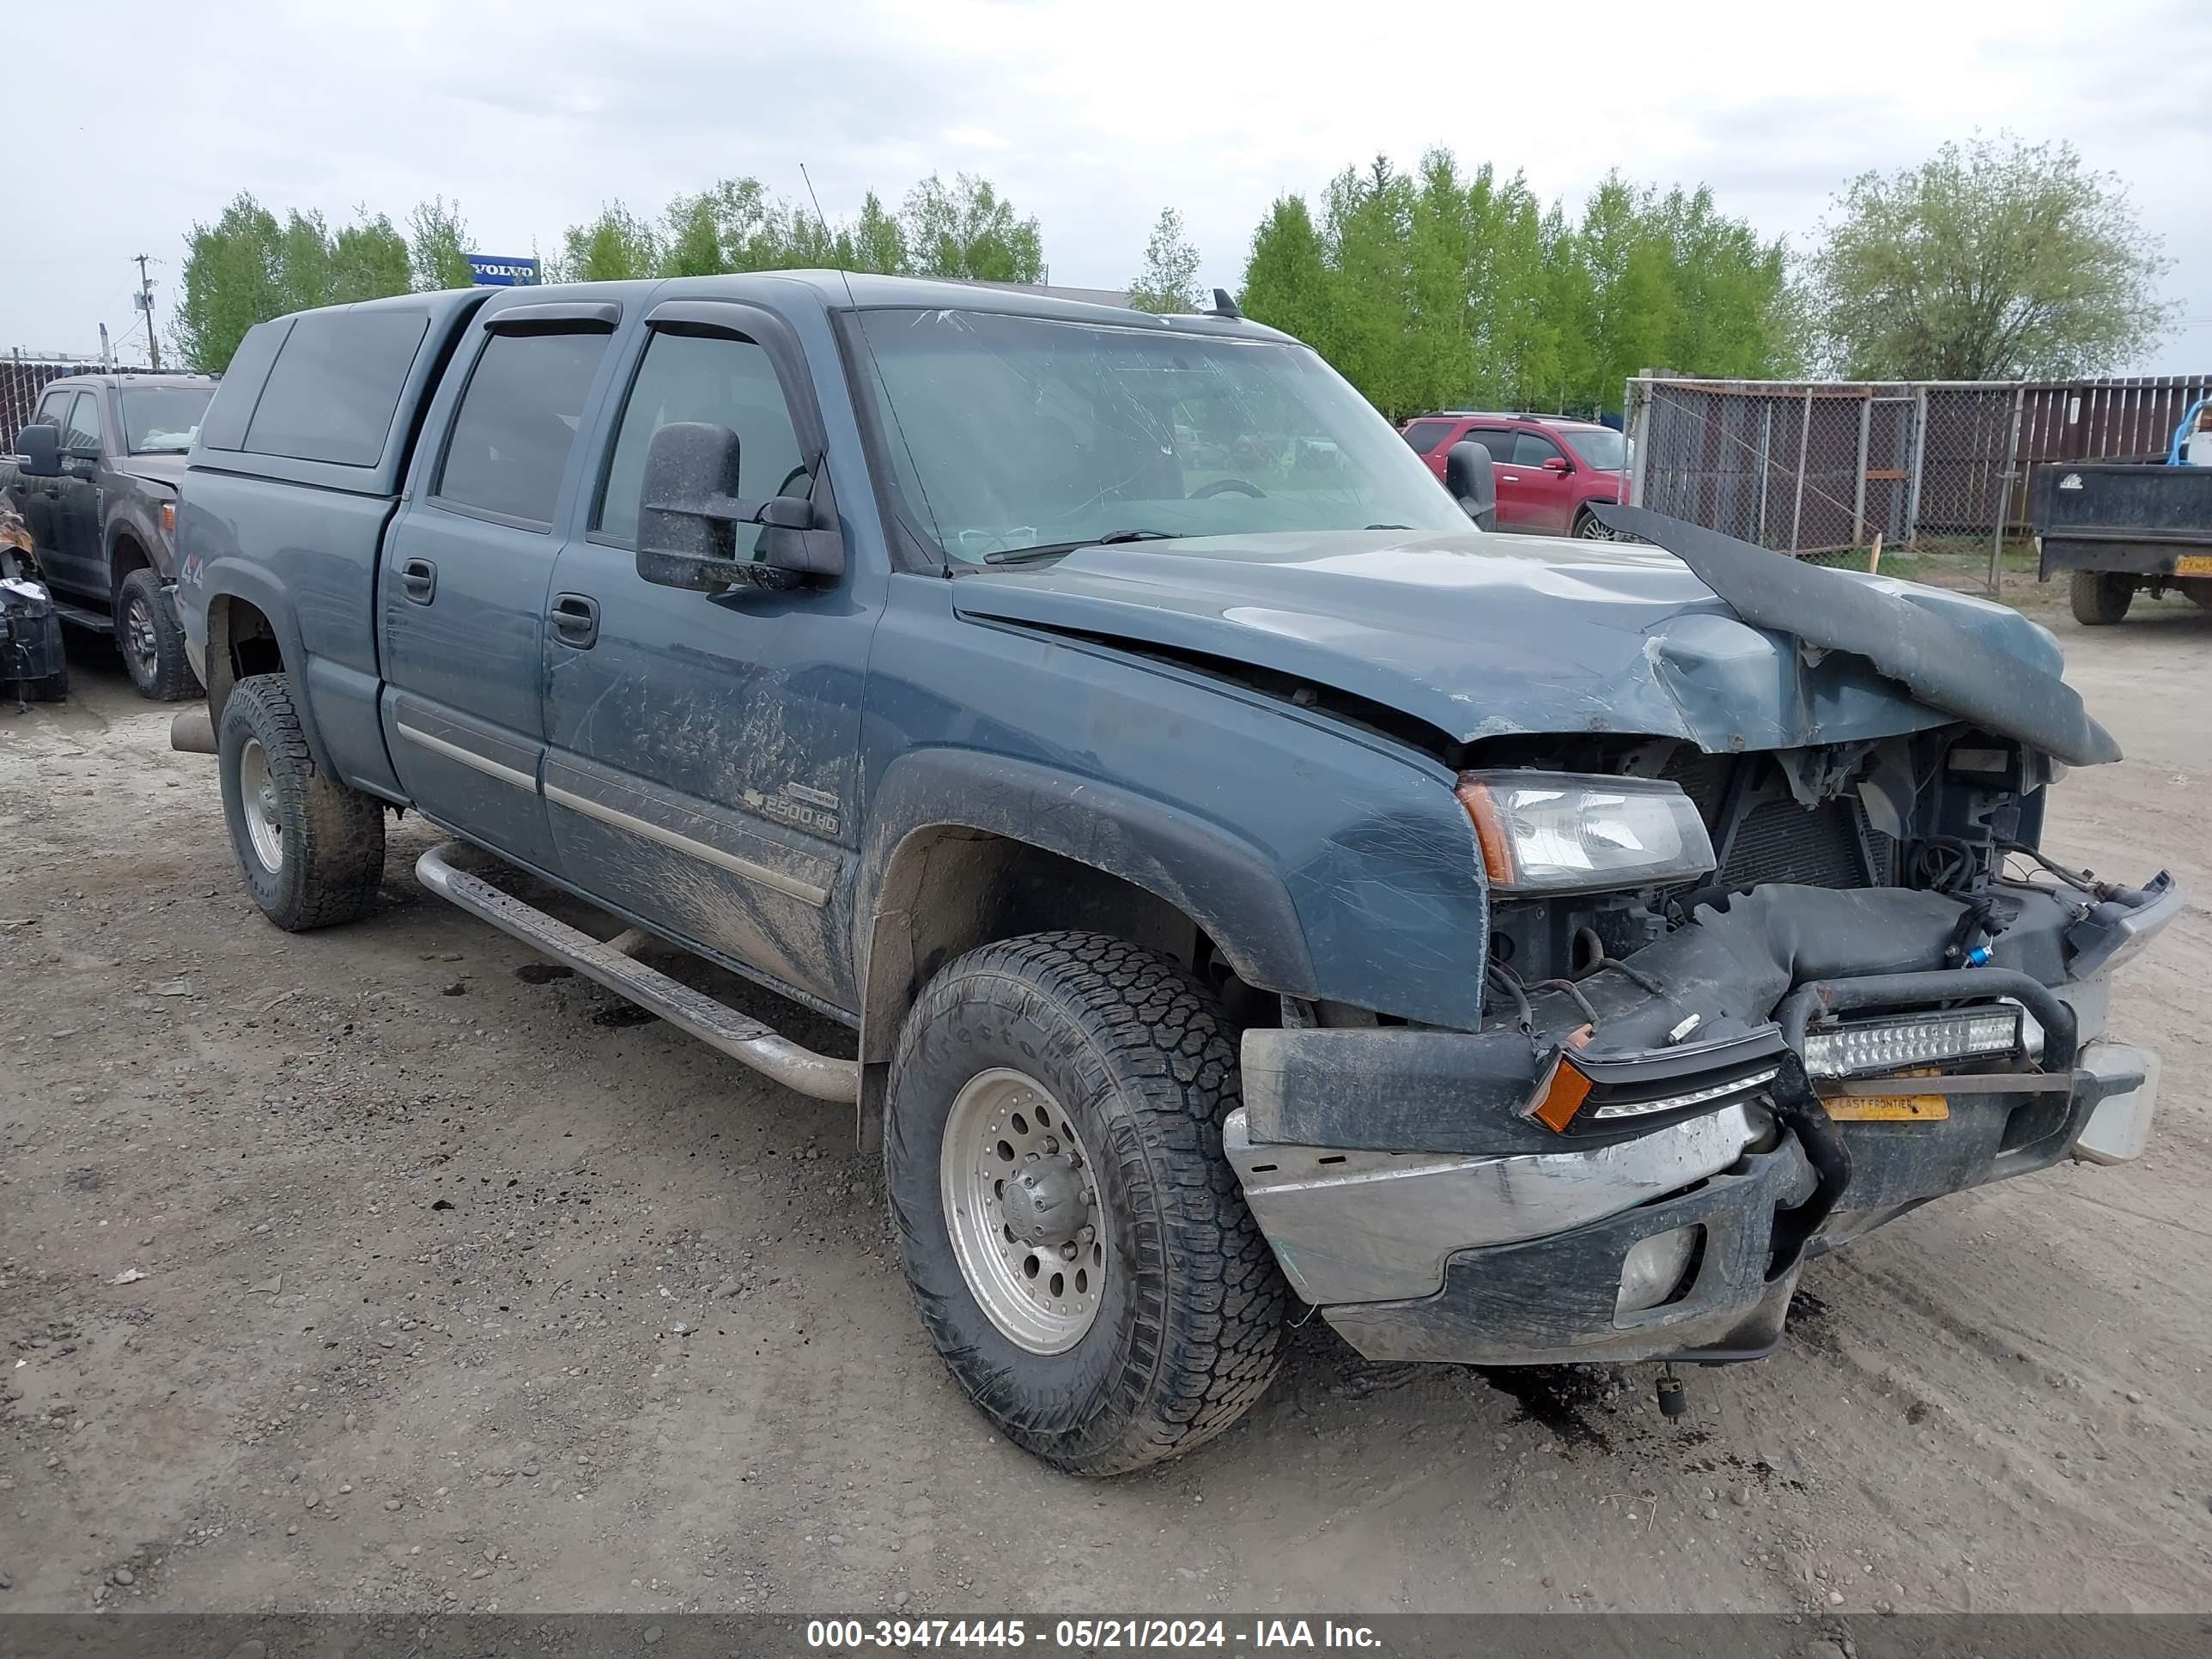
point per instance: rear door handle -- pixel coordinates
(576, 620)
(419, 577)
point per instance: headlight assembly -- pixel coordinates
(1564, 832)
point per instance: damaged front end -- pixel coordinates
(1741, 1008)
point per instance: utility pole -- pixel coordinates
(106, 357)
(146, 305)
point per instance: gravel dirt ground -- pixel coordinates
(451, 1282)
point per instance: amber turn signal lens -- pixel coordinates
(1489, 832)
(1561, 1096)
(169, 517)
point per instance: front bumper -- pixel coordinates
(1483, 1238)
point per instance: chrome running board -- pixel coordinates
(717, 1024)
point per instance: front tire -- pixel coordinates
(309, 847)
(1108, 1300)
(2099, 598)
(152, 640)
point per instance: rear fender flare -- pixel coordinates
(221, 582)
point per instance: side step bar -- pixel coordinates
(97, 621)
(713, 1023)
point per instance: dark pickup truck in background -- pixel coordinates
(1247, 882)
(2118, 528)
(96, 476)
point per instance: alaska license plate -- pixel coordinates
(2193, 564)
(1890, 1108)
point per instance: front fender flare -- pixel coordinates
(1223, 886)
(134, 519)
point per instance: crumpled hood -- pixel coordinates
(167, 471)
(1491, 635)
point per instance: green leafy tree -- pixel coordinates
(1366, 231)
(368, 260)
(247, 267)
(1515, 341)
(879, 241)
(1995, 259)
(303, 272)
(967, 229)
(617, 246)
(229, 282)
(1627, 300)
(1440, 288)
(1286, 280)
(1169, 281)
(693, 246)
(438, 245)
(1442, 251)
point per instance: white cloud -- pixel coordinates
(1091, 118)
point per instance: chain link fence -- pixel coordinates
(1828, 470)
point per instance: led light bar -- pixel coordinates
(1868, 1047)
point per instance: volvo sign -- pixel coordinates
(498, 270)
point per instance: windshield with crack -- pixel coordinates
(1009, 434)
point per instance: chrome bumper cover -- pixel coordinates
(1363, 1226)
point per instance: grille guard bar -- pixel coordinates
(1780, 950)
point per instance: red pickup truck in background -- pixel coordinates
(1549, 469)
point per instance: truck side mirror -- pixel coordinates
(1471, 483)
(41, 447)
(690, 515)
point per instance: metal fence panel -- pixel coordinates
(1821, 469)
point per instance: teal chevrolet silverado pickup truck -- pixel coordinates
(1251, 885)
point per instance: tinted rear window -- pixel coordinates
(516, 423)
(335, 385)
(1425, 435)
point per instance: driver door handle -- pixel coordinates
(418, 578)
(576, 620)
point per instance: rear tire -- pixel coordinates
(311, 848)
(2197, 590)
(151, 640)
(1136, 1071)
(2101, 598)
(1587, 529)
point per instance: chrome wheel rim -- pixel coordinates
(1021, 1204)
(256, 803)
(1592, 531)
(139, 638)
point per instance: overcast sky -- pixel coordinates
(1091, 116)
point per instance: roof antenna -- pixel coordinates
(1225, 306)
(828, 241)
